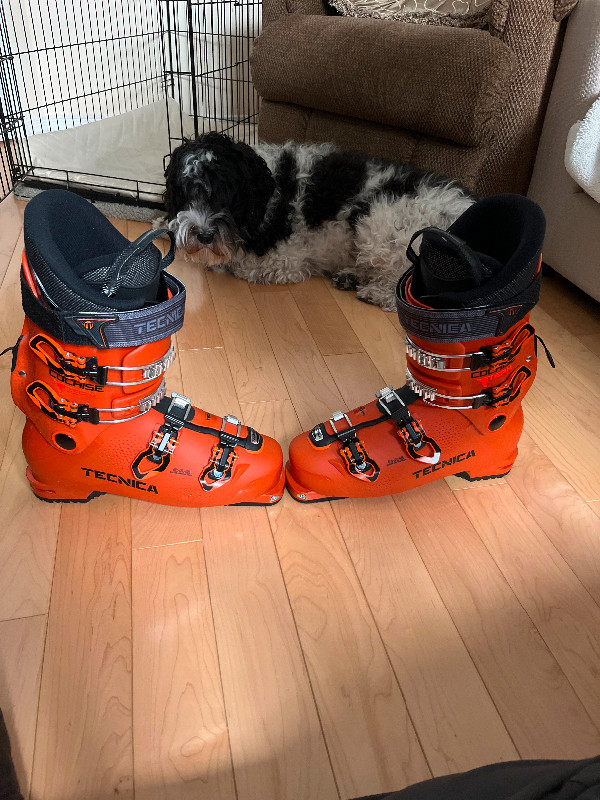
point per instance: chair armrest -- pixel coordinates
(443, 82)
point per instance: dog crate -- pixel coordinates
(95, 94)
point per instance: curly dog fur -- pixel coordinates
(281, 213)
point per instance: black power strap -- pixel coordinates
(114, 328)
(463, 324)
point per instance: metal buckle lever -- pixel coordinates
(396, 408)
(164, 440)
(409, 429)
(228, 442)
(219, 468)
(353, 451)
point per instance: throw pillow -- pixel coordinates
(459, 13)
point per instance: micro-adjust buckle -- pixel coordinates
(505, 393)
(87, 369)
(164, 439)
(67, 363)
(409, 429)
(59, 409)
(503, 352)
(219, 468)
(358, 461)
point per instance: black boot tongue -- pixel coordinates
(447, 265)
(131, 276)
(134, 279)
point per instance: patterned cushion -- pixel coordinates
(459, 13)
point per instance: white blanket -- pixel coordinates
(582, 154)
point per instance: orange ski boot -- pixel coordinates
(471, 358)
(88, 373)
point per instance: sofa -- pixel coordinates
(466, 103)
(572, 244)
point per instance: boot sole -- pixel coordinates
(307, 501)
(467, 477)
(87, 499)
(43, 492)
(92, 495)
(316, 500)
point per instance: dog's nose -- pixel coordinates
(204, 237)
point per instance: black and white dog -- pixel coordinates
(281, 213)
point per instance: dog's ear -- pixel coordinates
(174, 196)
(256, 185)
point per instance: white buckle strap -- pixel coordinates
(149, 371)
(144, 405)
(440, 361)
(430, 395)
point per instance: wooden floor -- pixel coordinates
(304, 652)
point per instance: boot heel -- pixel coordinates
(44, 492)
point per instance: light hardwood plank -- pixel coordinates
(180, 731)
(11, 225)
(200, 328)
(569, 353)
(591, 341)
(28, 542)
(11, 324)
(255, 371)
(569, 402)
(269, 288)
(457, 723)
(356, 377)
(309, 382)
(371, 739)
(324, 319)
(565, 518)
(207, 381)
(84, 738)
(382, 341)
(369, 733)
(542, 713)
(21, 653)
(561, 609)
(276, 739)
(153, 525)
(569, 306)
(135, 228)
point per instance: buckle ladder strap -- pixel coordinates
(358, 461)
(493, 356)
(71, 413)
(494, 397)
(219, 468)
(409, 428)
(165, 439)
(88, 369)
(111, 328)
(456, 325)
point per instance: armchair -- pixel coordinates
(466, 103)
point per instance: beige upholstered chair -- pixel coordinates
(572, 245)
